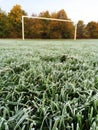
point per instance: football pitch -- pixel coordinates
(49, 84)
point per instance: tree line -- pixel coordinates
(11, 26)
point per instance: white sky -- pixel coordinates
(86, 10)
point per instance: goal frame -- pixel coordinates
(52, 19)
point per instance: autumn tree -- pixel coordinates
(61, 29)
(54, 33)
(32, 27)
(45, 24)
(92, 29)
(37, 28)
(61, 14)
(67, 28)
(81, 30)
(55, 29)
(15, 16)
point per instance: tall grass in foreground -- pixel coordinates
(48, 87)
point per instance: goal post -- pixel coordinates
(52, 19)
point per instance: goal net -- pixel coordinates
(44, 18)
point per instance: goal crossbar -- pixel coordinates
(44, 18)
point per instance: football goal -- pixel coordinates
(44, 18)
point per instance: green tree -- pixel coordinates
(15, 16)
(3, 24)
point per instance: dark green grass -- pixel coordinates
(48, 85)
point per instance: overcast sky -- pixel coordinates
(86, 10)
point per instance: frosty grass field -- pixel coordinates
(49, 85)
